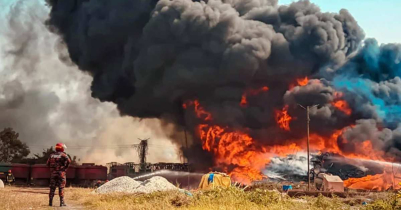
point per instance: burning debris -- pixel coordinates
(233, 74)
(291, 167)
(359, 173)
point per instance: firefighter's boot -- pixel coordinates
(50, 201)
(62, 203)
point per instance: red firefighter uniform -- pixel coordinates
(10, 177)
(58, 163)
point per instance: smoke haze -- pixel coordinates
(47, 101)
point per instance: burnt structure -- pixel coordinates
(344, 167)
(133, 170)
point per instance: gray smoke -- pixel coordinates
(292, 167)
(48, 102)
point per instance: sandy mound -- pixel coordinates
(128, 185)
(156, 183)
(120, 184)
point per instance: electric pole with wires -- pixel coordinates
(307, 137)
(142, 149)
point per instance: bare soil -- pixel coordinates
(34, 198)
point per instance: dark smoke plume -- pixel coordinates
(149, 57)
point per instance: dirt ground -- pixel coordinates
(33, 198)
(16, 198)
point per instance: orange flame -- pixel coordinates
(239, 155)
(342, 106)
(300, 82)
(379, 182)
(244, 101)
(364, 150)
(199, 110)
(303, 81)
(257, 91)
(239, 149)
(234, 148)
(283, 119)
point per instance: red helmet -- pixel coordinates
(9, 171)
(60, 147)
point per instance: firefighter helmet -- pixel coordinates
(60, 147)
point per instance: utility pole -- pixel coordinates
(182, 111)
(186, 145)
(307, 138)
(142, 149)
(392, 168)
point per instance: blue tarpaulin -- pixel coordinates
(287, 187)
(210, 180)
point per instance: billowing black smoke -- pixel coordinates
(149, 57)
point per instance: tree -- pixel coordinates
(11, 148)
(74, 160)
(42, 158)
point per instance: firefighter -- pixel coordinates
(10, 177)
(98, 184)
(58, 163)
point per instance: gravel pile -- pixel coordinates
(120, 184)
(128, 185)
(156, 183)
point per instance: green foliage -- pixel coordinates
(11, 148)
(327, 203)
(42, 158)
(74, 160)
(383, 204)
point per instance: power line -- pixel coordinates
(130, 146)
(307, 137)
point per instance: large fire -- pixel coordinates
(237, 153)
(234, 148)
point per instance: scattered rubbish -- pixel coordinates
(299, 200)
(186, 192)
(287, 187)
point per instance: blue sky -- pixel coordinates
(379, 19)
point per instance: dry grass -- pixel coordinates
(22, 198)
(232, 198)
